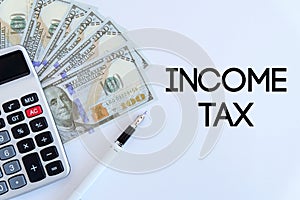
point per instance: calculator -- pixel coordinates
(31, 151)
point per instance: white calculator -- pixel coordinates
(31, 152)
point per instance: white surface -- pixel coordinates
(248, 163)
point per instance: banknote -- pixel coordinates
(45, 18)
(13, 19)
(71, 20)
(107, 38)
(87, 26)
(99, 91)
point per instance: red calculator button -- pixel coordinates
(34, 111)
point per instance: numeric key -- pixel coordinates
(4, 137)
(7, 152)
(12, 167)
(17, 182)
(3, 187)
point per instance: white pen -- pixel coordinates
(108, 157)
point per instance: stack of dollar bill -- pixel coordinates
(89, 70)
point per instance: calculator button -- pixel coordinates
(17, 182)
(49, 153)
(20, 131)
(38, 124)
(26, 145)
(4, 137)
(34, 111)
(7, 152)
(2, 123)
(11, 106)
(3, 187)
(29, 99)
(15, 118)
(54, 168)
(1, 175)
(44, 139)
(34, 167)
(11, 167)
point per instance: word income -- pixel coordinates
(270, 76)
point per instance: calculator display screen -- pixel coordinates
(13, 66)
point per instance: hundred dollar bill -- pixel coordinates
(99, 92)
(87, 26)
(45, 18)
(107, 38)
(13, 19)
(71, 20)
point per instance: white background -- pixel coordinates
(247, 163)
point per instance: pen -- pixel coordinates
(108, 157)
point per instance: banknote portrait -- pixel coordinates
(62, 109)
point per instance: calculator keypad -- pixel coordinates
(26, 155)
